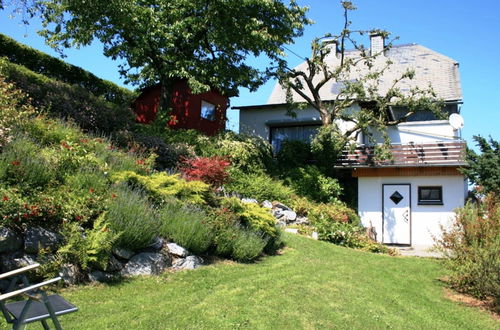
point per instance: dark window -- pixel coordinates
(292, 133)
(430, 195)
(422, 115)
(207, 110)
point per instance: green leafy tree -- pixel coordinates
(484, 168)
(363, 91)
(205, 42)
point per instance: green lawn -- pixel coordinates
(311, 285)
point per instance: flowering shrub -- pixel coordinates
(472, 247)
(211, 170)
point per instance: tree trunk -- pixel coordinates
(326, 118)
(166, 91)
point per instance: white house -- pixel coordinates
(407, 199)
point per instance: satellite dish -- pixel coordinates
(456, 121)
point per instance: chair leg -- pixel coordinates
(19, 323)
(51, 311)
(45, 325)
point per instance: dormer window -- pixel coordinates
(422, 115)
(207, 110)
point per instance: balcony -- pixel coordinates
(443, 153)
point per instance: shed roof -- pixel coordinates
(431, 68)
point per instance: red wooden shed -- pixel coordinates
(205, 112)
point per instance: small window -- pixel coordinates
(207, 110)
(430, 195)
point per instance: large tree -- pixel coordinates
(203, 41)
(484, 168)
(305, 87)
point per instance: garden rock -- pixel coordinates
(282, 223)
(15, 260)
(146, 263)
(289, 215)
(278, 214)
(69, 274)
(38, 238)
(267, 204)
(177, 250)
(156, 245)
(190, 262)
(282, 206)
(4, 285)
(249, 201)
(302, 221)
(113, 265)
(98, 276)
(9, 240)
(123, 253)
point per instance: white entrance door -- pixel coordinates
(397, 214)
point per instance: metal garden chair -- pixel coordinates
(38, 307)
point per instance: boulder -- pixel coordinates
(281, 206)
(15, 260)
(278, 214)
(282, 223)
(98, 276)
(38, 238)
(123, 253)
(146, 263)
(314, 235)
(69, 274)
(190, 262)
(177, 250)
(9, 240)
(290, 216)
(4, 285)
(157, 244)
(249, 201)
(113, 265)
(267, 204)
(302, 221)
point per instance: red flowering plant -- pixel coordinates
(211, 170)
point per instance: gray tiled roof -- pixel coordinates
(433, 68)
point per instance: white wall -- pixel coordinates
(256, 122)
(425, 219)
(420, 132)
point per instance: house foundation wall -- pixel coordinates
(425, 219)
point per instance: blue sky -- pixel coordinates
(467, 31)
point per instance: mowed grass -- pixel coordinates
(310, 285)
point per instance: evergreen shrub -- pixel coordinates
(259, 186)
(185, 225)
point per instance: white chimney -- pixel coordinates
(332, 44)
(377, 43)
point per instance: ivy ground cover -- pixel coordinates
(311, 284)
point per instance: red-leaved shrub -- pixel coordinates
(211, 170)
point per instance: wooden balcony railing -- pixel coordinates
(413, 154)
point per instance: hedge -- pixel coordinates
(70, 102)
(57, 69)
